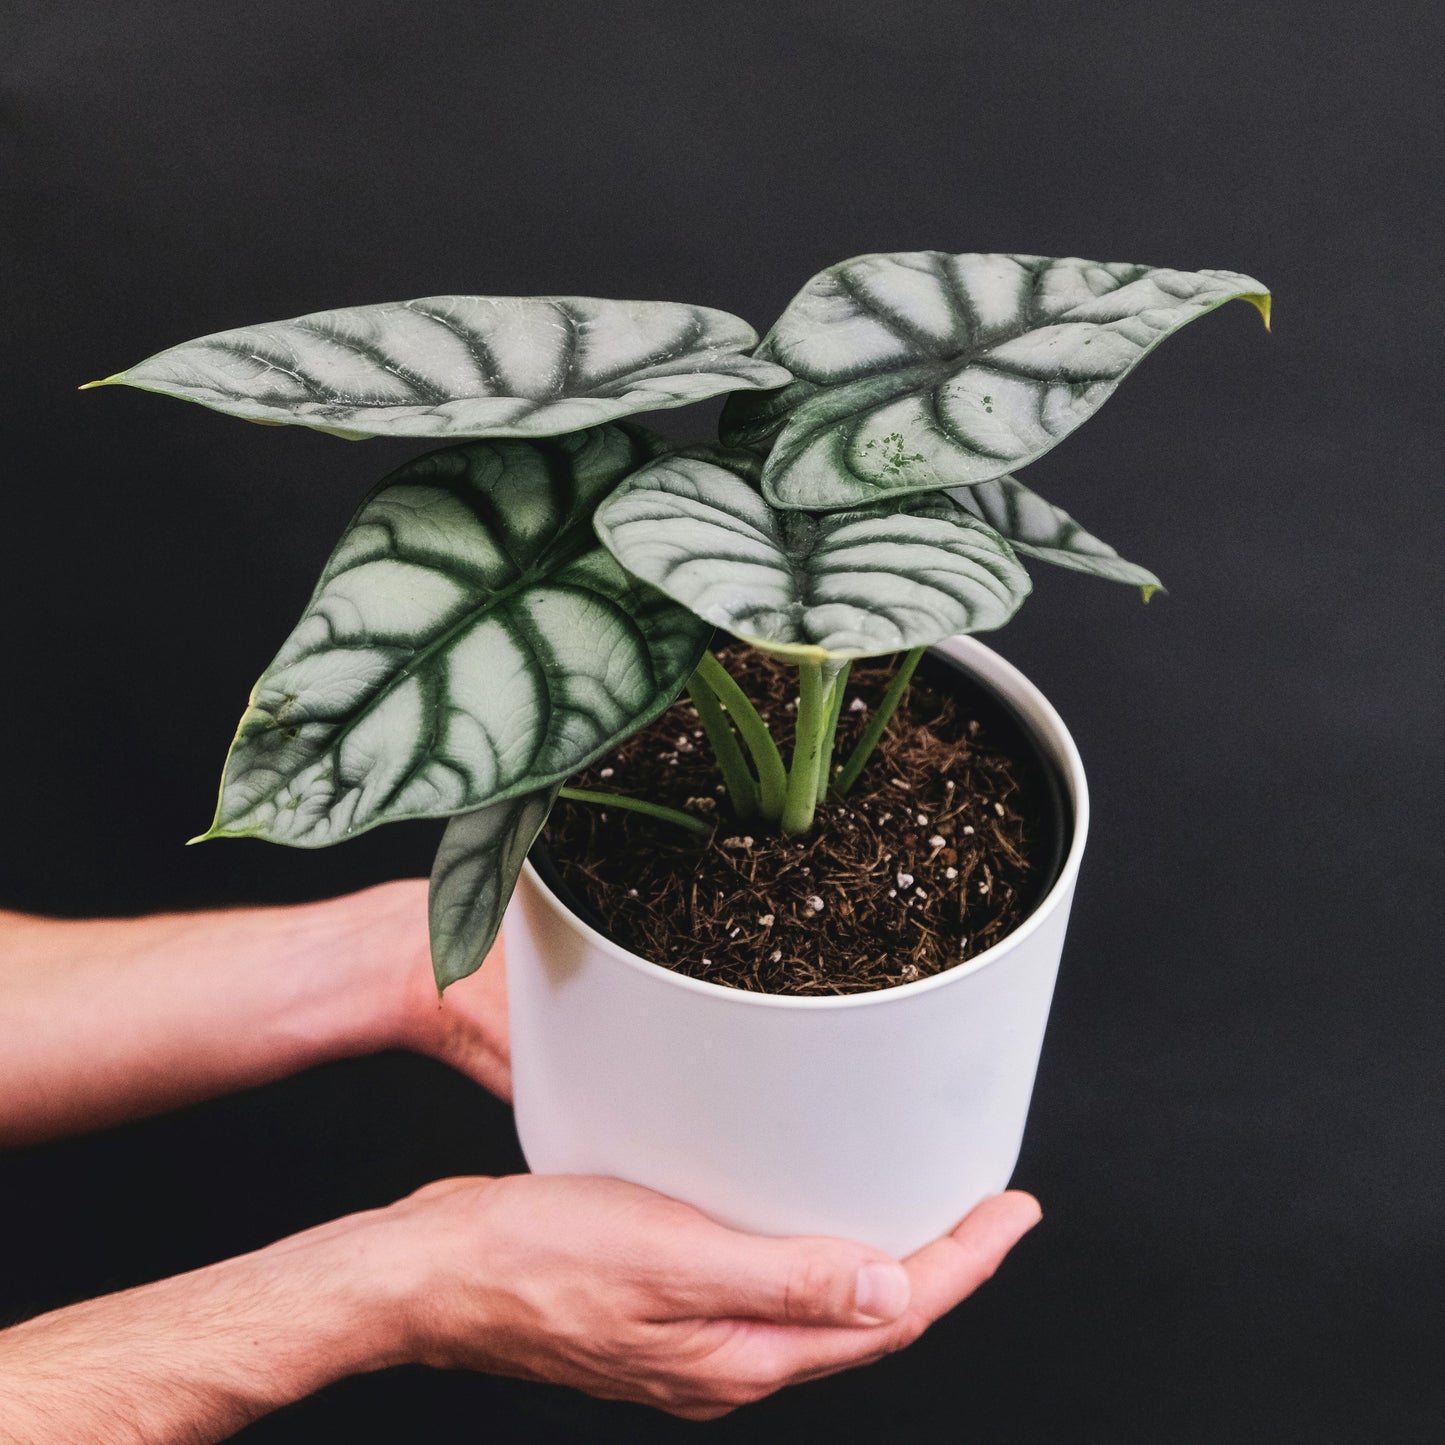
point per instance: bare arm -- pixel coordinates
(197, 1357)
(102, 1021)
(586, 1282)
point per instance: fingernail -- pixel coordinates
(882, 1291)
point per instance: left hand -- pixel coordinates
(467, 1027)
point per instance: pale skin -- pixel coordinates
(588, 1282)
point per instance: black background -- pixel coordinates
(1237, 1132)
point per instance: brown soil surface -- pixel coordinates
(929, 861)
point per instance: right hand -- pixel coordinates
(618, 1291)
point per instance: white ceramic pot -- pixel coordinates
(882, 1116)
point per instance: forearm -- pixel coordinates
(109, 1020)
(197, 1357)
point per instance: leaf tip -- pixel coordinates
(219, 830)
(1261, 300)
(444, 975)
(104, 381)
(1148, 589)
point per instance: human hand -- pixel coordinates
(466, 1026)
(618, 1291)
(383, 932)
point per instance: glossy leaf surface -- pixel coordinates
(472, 880)
(1036, 528)
(921, 370)
(449, 367)
(469, 641)
(843, 584)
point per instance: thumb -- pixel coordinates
(794, 1281)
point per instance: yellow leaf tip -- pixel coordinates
(104, 381)
(1261, 303)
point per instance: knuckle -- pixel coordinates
(441, 1188)
(761, 1382)
(700, 1413)
(731, 1388)
(705, 1399)
(810, 1289)
(745, 1392)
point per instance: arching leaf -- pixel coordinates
(449, 367)
(476, 869)
(921, 370)
(469, 641)
(1036, 528)
(842, 584)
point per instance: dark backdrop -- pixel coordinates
(1237, 1129)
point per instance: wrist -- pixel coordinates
(356, 1289)
(367, 972)
(435, 1250)
(201, 1355)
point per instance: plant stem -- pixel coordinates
(802, 794)
(876, 724)
(825, 766)
(772, 776)
(639, 805)
(741, 785)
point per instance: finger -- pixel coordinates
(942, 1274)
(731, 1275)
(950, 1269)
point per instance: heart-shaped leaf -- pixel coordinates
(1037, 528)
(464, 366)
(921, 370)
(842, 584)
(469, 641)
(472, 879)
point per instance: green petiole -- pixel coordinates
(825, 766)
(639, 805)
(737, 777)
(878, 722)
(814, 706)
(772, 776)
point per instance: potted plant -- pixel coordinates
(504, 611)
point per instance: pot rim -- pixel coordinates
(1040, 717)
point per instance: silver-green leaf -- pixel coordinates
(859, 583)
(476, 869)
(921, 370)
(468, 641)
(1036, 528)
(449, 367)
